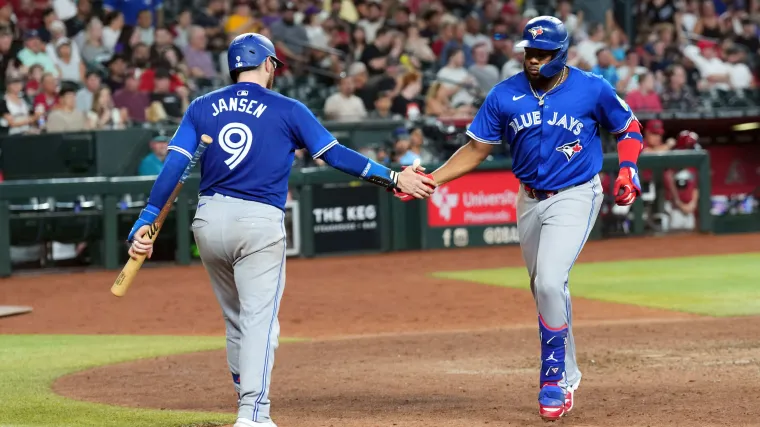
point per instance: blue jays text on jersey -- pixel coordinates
(557, 144)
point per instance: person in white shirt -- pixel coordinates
(454, 75)
(628, 73)
(514, 65)
(587, 48)
(113, 23)
(715, 72)
(565, 14)
(373, 22)
(473, 34)
(740, 76)
(343, 105)
(57, 33)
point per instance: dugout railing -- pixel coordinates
(378, 219)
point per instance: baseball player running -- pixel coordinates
(549, 115)
(239, 223)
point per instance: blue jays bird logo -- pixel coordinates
(536, 31)
(570, 149)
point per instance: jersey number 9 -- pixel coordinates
(235, 139)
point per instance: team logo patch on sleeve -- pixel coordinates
(536, 31)
(570, 149)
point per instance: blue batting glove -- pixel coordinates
(147, 217)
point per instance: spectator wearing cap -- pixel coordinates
(197, 56)
(289, 36)
(15, 115)
(117, 68)
(174, 102)
(484, 73)
(47, 98)
(28, 17)
(66, 117)
(715, 73)
(70, 68)
(677, 95)
(503, 47)
(131, 98)
(604, 66)
(316, 33)
(653, 136)
(344, 105)
(85, 95)
(34, 53)
(644, 99)
(373, 21)
(131, 10)
(113, 24)
(457, 79)
(408, 103)
(153, 163)
(78, 22)
(58, 32)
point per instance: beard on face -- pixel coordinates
(270, 83)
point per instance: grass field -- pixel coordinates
(725, 285)
(30, 363)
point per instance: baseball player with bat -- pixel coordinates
(549, 115)
(239, 223)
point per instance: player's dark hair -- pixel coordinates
(47, 12)
(91, 73)
(110, 16)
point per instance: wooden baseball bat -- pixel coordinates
(128, 273)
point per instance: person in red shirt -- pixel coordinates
(28, 15)
(48, 96)
(681, 190)
(148, 78)
(644, 99)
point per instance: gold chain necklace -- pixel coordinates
(541, 98)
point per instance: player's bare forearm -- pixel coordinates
(463, 161)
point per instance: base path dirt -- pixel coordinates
(326, 297)
(394, 346)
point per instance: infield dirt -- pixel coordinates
(393, 346)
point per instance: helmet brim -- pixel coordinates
(539, 44)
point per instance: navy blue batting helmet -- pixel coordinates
(547, 33)
(248, 51)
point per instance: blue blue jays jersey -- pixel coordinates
(557, 144)
(256, 132)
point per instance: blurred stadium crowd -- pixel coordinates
(71, 65)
